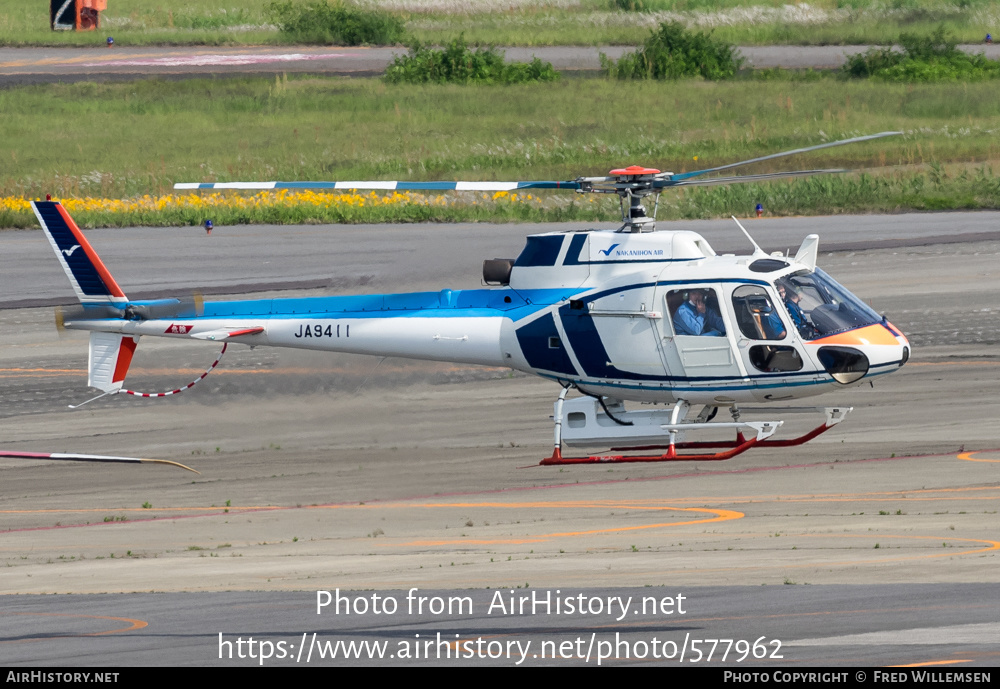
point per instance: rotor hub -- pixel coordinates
(634, 171)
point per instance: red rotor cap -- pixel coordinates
(635, 170)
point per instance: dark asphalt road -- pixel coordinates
(32, 65)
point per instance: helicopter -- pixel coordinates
(629, 315)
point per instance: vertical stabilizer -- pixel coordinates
(90, 278)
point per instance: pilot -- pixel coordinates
(791, 297)
(693, 317)
(774, 329)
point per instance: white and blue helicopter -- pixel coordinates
(624, 315)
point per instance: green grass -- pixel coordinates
(929, 189)
(152, 133)
(524, 22)
(742, 22)
(554, 210)
(145, 22)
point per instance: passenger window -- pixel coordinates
(695, 312)
(771, 358)
(756, 315)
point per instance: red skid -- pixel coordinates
(699, 445)
(670, 456)
(802, 439)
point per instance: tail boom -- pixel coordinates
(469, 340)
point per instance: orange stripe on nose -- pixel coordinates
(869, 335)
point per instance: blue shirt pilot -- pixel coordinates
(791, 299)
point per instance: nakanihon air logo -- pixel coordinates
(630, 253)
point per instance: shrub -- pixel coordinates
(336, 24)
(629, 5)
(673, 52)
(938, 45)
(456, 63)
(876, 60)
(670, 5)
(923, 58)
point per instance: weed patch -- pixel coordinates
(673, 52)
(335, 23)
(933, 57)
(456, 63)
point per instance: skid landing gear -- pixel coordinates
(593, 421)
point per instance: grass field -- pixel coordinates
(123, 141)
(526, 22)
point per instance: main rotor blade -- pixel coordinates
(659, 181)
(842, 142)
(386, 186)
(741, 179)
(75, 457)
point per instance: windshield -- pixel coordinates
(820, 306)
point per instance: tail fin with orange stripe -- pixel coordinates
(90, 278)
(110, 353)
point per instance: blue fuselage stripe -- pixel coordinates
(482, 303)
(693, 388)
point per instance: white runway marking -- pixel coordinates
(208, 60)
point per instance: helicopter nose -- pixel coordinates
(901, 341)
(850, 356)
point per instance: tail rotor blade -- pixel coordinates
(183, 307)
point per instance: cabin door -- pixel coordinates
(695, 342)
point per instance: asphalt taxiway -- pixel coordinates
(326, 471)
(97, 62)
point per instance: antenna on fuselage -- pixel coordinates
(756, 247)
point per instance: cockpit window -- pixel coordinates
(818, 305)
(757, 316)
